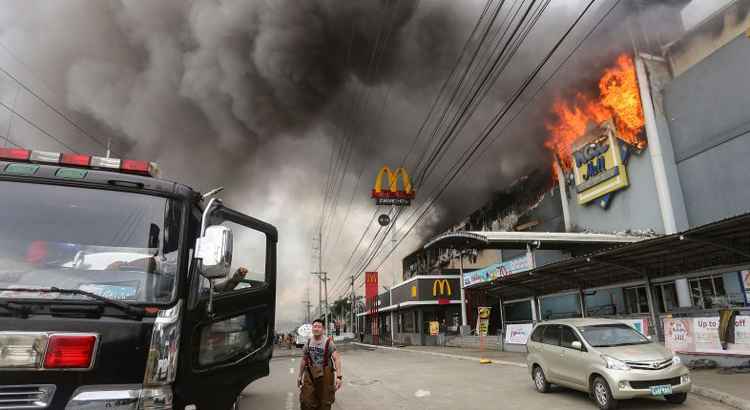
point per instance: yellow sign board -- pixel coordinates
(434, 328)
(483, 321)
(597, 164)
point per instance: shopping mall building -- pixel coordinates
(651, 228)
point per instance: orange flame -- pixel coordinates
(618, 99)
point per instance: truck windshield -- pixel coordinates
(119, 245)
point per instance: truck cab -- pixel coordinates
(121, 290)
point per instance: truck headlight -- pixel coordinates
(615, 364)
(161, 365)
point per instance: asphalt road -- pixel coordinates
(377, 379)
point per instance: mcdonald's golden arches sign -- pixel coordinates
(441, 289)
(393, 195)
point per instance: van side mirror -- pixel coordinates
(214, 252)
(576, 345)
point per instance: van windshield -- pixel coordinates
(612, 335)
(119, 245)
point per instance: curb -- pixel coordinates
(451, 356)
(721, 397)
(712, 394)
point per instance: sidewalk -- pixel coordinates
(730, 389)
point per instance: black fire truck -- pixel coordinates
(114, 288)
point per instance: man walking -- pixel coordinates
(320, 371)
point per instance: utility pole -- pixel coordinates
(307, 310)
(352, 323)
(318, 253)
(323, 276)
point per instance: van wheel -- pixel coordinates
(603, 394)
(540, 381)
(677, 398)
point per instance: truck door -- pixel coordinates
(227, 333)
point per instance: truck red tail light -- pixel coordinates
(78, 160)
(70, 352)
(15, 154)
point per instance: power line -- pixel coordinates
(470, 67)
(37, 127)
(491, 126)
(434, 105)
(40, 98)
(373, 66)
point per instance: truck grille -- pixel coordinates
(652, 365)
(26, 396)
(675, 381)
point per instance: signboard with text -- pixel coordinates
(498, 270)
(701, 335)
(483, 321)
(597, 164)
(518, 333)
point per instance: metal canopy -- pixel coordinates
(724, 243)
(519, 240)
(458, 240)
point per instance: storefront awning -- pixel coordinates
(519, 240)
(715, 245)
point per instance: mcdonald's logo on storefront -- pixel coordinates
(393, 195)
(444, 288)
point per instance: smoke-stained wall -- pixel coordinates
(633, 208)
(709, 118)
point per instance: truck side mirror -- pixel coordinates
(214, 250)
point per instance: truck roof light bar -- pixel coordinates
(129, 166)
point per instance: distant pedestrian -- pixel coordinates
(320, 371)
(441, 332)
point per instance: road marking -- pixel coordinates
(421, 393)
(289, 401)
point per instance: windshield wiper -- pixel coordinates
(129, 309)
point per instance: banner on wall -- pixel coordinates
(518, 333)
(701, 335)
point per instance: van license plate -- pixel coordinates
(661, 390)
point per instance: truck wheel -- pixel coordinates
(540, 381)
(677, 398)
(603, 394)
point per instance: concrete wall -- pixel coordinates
(708, 108)
(635, 207)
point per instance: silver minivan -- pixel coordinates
(605, 358)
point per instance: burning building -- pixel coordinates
(652, 149)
